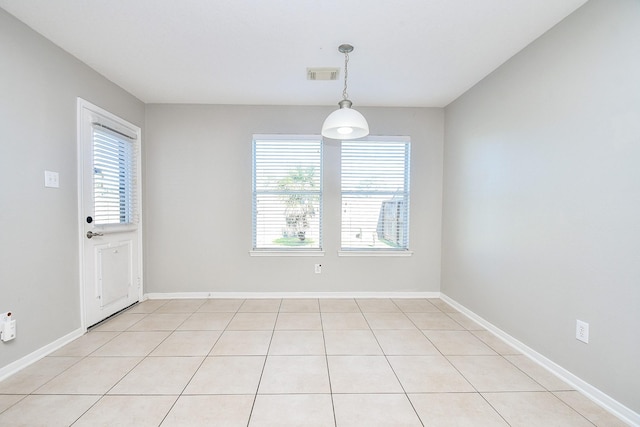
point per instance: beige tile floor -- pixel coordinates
(292, 362)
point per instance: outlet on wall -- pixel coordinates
(51, 179)
(318, 268)
(582, 331)
(7, 327)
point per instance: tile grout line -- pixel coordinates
(386, 357)
(102, 396)
(145, 357)
(326, 358)
(266, 357)
(194, 372)
(148, 355)
(462, 375)
(454, 366)
(571, 407)
(482, 394)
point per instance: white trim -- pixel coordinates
(264, 147)
(267, 295)
(597, 396)
(267, 252)
(31, 358)
(375, 253)
(80, 103)
(287, 136)
(387, 138)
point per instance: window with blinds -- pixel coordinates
(375, 194)
(287, 192)
(114, 176)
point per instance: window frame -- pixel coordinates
(116, 152)
(406, 197)
(284, 250)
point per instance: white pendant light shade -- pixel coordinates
(345, 123)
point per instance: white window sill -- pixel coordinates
(267, 252)
(375, 253)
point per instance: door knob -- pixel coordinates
(91, 234)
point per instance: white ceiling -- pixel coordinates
(407, 52)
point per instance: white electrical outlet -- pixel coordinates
(7, 327)
(318, 268)
(51, 179)
(582, 331)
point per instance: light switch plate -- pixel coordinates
(51, 179)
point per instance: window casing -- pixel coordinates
(114, 176)
(375, 194)
(287, 193)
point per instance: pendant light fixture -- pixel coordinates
(345, 123)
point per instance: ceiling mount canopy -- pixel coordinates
(345, 123)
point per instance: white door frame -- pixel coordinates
(82, 238)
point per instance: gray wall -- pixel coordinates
(198, 203)
(542, 196)
(39, 279)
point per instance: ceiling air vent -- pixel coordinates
(323, 73)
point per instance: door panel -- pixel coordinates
(110, 229)
(114, 273)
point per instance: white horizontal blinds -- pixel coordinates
(114, 176)
(287, 193)
(375, 194)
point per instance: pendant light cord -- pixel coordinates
(346, 73)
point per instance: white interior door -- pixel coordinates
(110, 229)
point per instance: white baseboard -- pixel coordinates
(266, 295)
(602, 399)
(31, 358)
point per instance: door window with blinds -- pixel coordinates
(287, 193)
(375, 194)
(114, 175)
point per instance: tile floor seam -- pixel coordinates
(139, 363)
(529, 392)
(169, 411)
(119, 333)
(528, 375)
(88, 409)
(572, 408)
(458, 323)
(196, 370)
(386, 357)
(255, 397)
(99, 347)
(127, 373)
(14, 403)
(326, 360)
(469, 382)
(531, 376)
(494, 408)
(55, 376)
